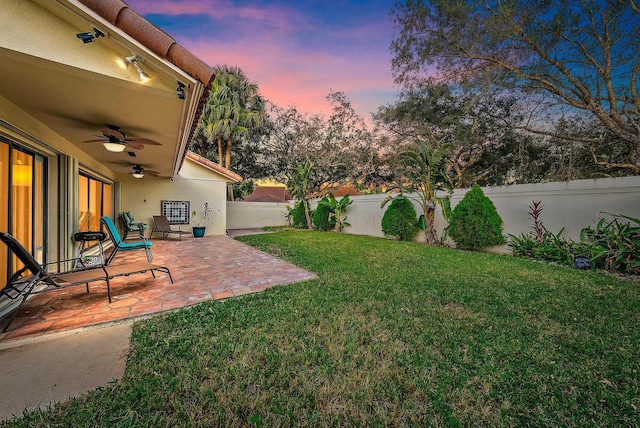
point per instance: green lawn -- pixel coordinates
(391, 334)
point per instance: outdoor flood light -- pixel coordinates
(136, 60)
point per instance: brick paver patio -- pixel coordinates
(209, 268)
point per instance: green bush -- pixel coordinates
(549, 247)
(298, 217)
(475, 222)
(320, 217)
(614, 244)
(399, 220)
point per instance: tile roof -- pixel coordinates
(118, 13)
(268, 194)
(214, 166)
(345, 190)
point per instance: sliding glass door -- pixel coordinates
(94, 200)
(22, 203)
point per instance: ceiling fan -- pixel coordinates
(115, 140)
(137, 170)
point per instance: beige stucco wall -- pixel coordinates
(572, 205)
(195, 183)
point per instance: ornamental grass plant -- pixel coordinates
(390, 334)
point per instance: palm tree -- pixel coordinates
(426, 173)
(233, 110)
(299, 186)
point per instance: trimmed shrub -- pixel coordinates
(298, 217)
(399, 220)
(320, 217)
(475, 222)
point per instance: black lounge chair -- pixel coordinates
(22, 285)
(161, 224)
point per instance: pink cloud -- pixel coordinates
(267, 44)
(271, 16)
(302, 78)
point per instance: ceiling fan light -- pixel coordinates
(138, 175)
(114, 147)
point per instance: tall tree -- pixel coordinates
(583, 55)
(233, 111)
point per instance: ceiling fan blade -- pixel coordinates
(154, 173)
(109, 132)
(96, 141)
(142, 141)
(134, 145)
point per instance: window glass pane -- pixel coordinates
(83, 203)
(106, 200)
(39, 224)
(95, 204)
(22, 200)
(4, 207)
(94, 201)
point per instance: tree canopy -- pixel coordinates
(340, 147)
(578, 55)
(486, 147)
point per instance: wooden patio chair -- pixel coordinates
(161, 224)
(120, 245)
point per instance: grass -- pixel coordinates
(391, 334)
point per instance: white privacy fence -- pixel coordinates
(251, 215)
(571, 204)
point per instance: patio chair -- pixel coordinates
(120, 245)
(161, 224)
(21, 286)
(131, 225)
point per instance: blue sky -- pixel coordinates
(296, 51)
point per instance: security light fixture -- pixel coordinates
(136, 60)
(90, 37)
(180, 91)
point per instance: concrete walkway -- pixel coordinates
(66, 342)
(62, 366)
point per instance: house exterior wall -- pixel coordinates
(194, 183)
(74, 88)
(572, 205)
(60, 154)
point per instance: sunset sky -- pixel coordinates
(297, 51)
